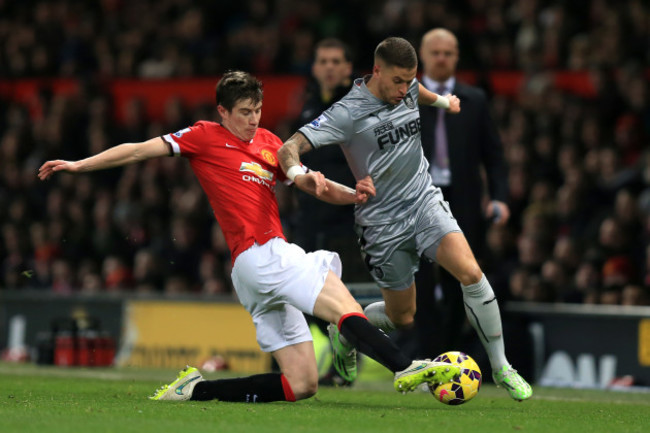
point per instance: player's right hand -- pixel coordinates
(454, 103)
(50, 167)
(364, 189)
(312, 182)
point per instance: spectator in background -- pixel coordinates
(117, 275)
(567, 253)
(317, 225)
(501, 241)
(147, 273)
(62, 277)
(617, 272)
(458, 148)
(517, 283)
(555, 278)
(634, 294)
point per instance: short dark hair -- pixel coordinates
(334, 43)
(236, 86)
(397, 52)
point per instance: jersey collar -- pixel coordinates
(239, 140)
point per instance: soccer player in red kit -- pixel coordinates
(236, 164)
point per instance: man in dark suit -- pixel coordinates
(459, 149)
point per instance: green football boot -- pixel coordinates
(516, 386)
(344, 357)
(180, 389)
(427, 371)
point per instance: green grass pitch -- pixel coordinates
(54, 400)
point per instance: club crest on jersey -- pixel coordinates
(408, 100)
(180, 133)
(269, 157)
(257, 170)
(316, 123)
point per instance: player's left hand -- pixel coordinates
(51, 167)
(498, 212)
(364, 189)
(454, 103)
(312, 182)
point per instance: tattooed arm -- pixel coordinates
(289, 153)
(289, 156)
(314, 182)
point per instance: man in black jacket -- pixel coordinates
(328, 227)
(458, 148)
(331, 79)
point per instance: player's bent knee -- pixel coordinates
(303, 380)
(305, 388)
(403, 319)
(310, 388)
(472, 274)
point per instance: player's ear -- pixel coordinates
(222, 111)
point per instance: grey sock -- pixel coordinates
(483, 313)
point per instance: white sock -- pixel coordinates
(483, 313)
(376, 314)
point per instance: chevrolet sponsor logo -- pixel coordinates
(255, 168)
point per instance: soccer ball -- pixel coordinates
(463, 388)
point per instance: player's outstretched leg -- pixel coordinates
(516, 386)
(258, 388)
(344, 355)
(181, 388)
(483, 313)
(424, 371)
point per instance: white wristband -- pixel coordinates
(294, 171)
(441, 102)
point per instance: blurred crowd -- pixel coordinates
(579, 168)
(183, 38)
(579, 182)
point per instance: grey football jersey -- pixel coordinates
(381, 140)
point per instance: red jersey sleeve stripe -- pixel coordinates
(176, 149)
(169, 146)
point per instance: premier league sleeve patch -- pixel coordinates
(316, 123)
(180, 133)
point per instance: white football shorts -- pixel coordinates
(276, 282)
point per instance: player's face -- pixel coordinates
(243, 120)
(439, 56)
(393, 82)
(330, 67)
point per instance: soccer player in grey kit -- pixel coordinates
(377, 125)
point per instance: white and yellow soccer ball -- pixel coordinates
(464, 387)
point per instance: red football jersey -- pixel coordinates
(239, 179)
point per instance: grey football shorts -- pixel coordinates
(392, 251)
